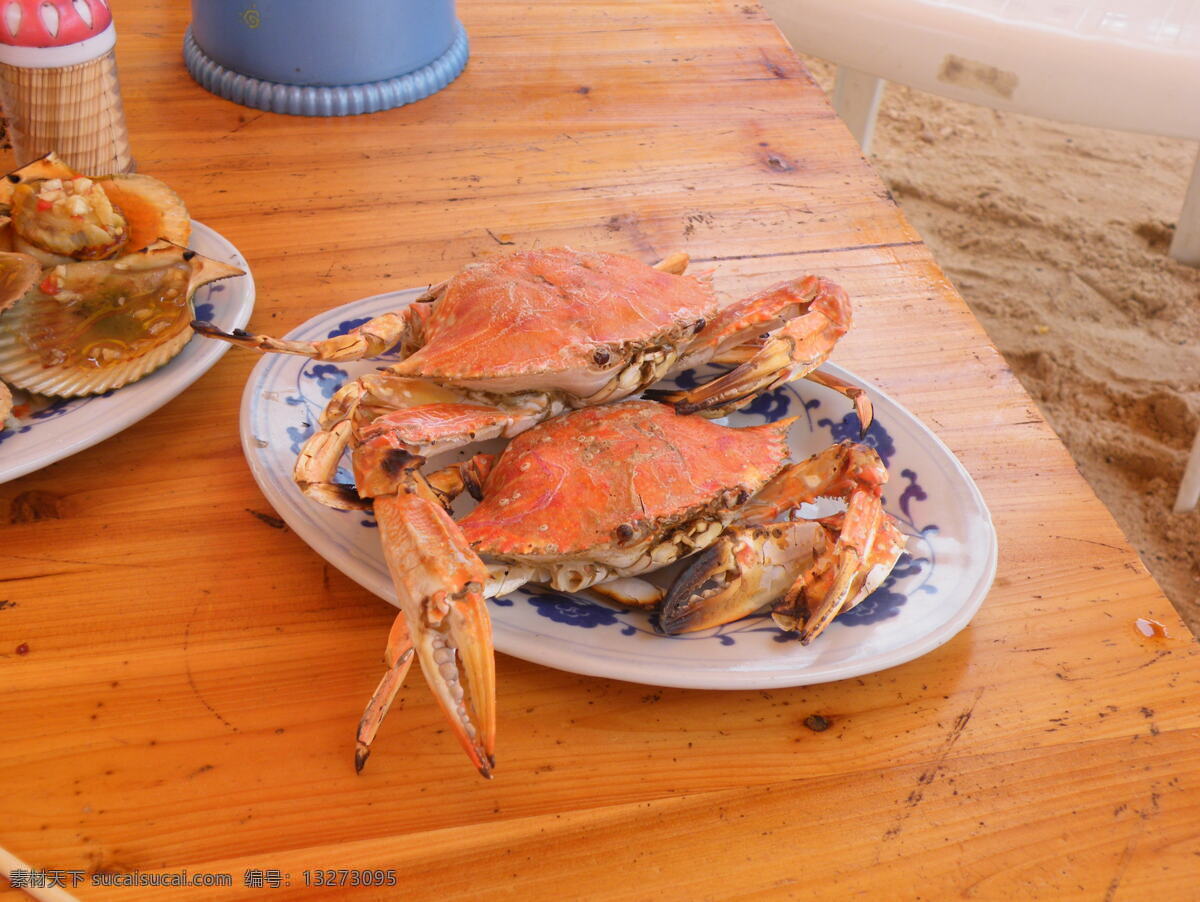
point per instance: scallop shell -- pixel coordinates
(47, 167)
(18, 273)
(6, 404)
(6, 233)
(97, 325)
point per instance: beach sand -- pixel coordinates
(1056, 236)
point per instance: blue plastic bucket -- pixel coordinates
(324, 57)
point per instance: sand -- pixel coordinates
(1056, 236)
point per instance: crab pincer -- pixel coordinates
(775, 336)
(808, 571)
(748, 566)
(443, 617)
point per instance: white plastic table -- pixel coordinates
(1132, 65)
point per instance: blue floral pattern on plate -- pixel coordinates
(929, 596)
(571, 609)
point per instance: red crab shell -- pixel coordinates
(573, 483)
(551, 311)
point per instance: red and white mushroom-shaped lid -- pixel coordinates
(46, 33)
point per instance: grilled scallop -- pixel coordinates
(91, 326)
(59, 215)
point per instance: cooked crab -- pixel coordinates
(514, 340)
(607, 493)
(59, 215)
(92, 326)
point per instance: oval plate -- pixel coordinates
(933, 592)
(67, 425)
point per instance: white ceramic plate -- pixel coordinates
(930, 596)
(66, 426)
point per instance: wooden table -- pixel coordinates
(192, 673)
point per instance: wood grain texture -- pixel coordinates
(192, 674)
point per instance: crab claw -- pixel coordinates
(809, 571)
(767, 360)
(746, 568)
(439, 582)
(865, 544)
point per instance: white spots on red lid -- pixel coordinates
(52, 23)
(49, 16)
(12, 17)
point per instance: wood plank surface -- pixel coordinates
(180, 678)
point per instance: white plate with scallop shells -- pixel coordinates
(45, 430)
(932, 593)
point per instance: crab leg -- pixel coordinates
(317, 464)
(469, 476)
(422, 416)
(374, 393)
(788, 352)
(743, 322)
(399, 658)
(675, 263)
(353, 407)
(836, 472)
(370, 339)
(858, 396)
(439, 583)
(848, 556)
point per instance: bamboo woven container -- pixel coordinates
(58, 84)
